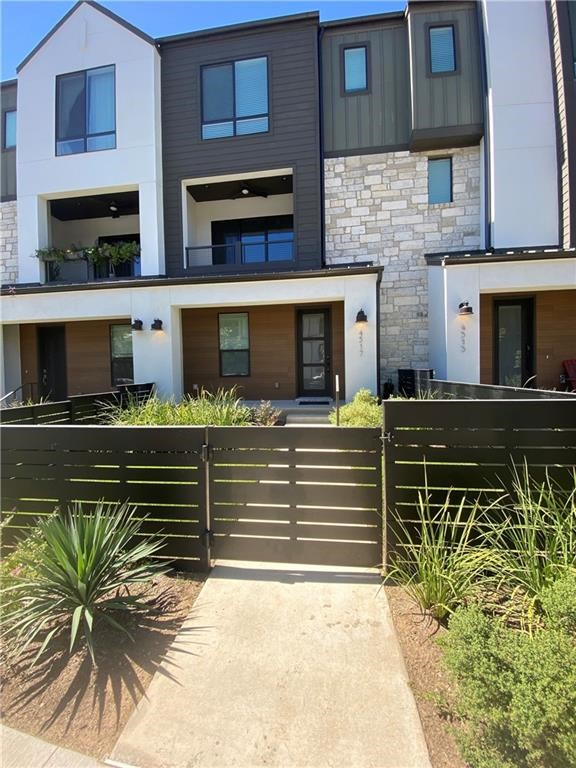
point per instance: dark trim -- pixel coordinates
(320, 130)
(242, 26)
(486, 127)
(366, 151)
(442, 157)
(220, 350)
(487, 257)
(158, 281)
(8, 198)
(8, 83)
(528, 310)
(64, 19)
(455, 39)
(373, 18)
(446, 137)
(367, 59)
(234, 118)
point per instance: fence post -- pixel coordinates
(384, 439)
(207, 534)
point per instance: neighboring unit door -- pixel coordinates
(52, 362)
(315, 378)
(514, 342)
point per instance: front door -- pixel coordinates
(315, 379)
(514, 342)
(52, 362)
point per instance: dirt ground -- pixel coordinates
(416, 634)
(67, 701)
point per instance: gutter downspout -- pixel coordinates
(487, 134)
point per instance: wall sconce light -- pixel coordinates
(464, 308)
(113, 208)
(156, 325)
(137, 325)
(361, 317)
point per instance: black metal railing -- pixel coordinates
(238, 253)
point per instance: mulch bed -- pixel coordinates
(67, 701)
(428, 680)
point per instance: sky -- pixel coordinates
(25, 22)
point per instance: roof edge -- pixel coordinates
(64, 19)
(368, 19)
(499, 255)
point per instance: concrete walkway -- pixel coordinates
(20, 750)
(280, 666)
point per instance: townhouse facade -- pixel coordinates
(284, 204)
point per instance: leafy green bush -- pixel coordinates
(515, 692)
(363, 411)
(558, 603)
(22, 562)
(79, 576)
(221, 408)
(436, 560)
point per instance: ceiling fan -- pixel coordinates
(249, 190)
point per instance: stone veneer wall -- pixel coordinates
(8, 243)
(377, 210)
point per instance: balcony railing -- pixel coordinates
(239, 253)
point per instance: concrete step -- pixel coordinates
(307, 414)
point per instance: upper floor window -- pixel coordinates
(85, 111)
(442, 49)
(10, 129)
(235, 98)
(355, 68)
(440, 180)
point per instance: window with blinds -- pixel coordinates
(235, 98)
(86, 111)
(442, 50)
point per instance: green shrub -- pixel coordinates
(22, 561)
(436, 561)
(220, 408)
(264, 414)
(516, 692)
(79, 577)
(558, 603)
(363, 411)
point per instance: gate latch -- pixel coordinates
(207, 537)
(206, 452)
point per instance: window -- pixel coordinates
(442, 50)
(234, 342)
(253, 241)
(235, 98)
(355, 69)
(440, 180)
(9, 129)
(85, 111)
(122, 364)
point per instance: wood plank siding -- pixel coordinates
(88, 361)
(554, 335)
(293, 140)
(273, 353)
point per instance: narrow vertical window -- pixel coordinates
(9, 129)
(234, 344)
(442, 50)
(121, 360)
(440, 180)
(355, 68)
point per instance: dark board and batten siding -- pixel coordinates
(292, 142)
(446, 109)
(8, 169)
(379, 119)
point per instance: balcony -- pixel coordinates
(239, 223)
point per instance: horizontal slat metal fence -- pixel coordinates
(471, 448)
(459, 390)
(78, 409)
(297, 494)
(158, 469)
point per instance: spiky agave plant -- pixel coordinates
(82, 575)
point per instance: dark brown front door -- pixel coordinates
(314, 353)
(514, 342)
(52, 362)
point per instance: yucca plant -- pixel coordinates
(439, 561)
(82, 576)
(534, 541)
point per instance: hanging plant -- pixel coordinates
(118, 253)
(113, 253)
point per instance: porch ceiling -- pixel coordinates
(232, 190)
(95, 206)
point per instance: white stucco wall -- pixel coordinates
(87, 231)
(86, 40)
(522, 130)
(455, 354)
(158, 355)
